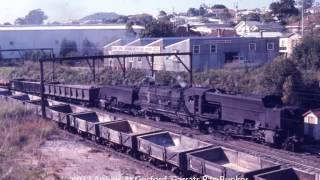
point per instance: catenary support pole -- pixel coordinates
(191, 68)
(43, 106)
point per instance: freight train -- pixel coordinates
(263, 119)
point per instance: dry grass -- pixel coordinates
(21, 135)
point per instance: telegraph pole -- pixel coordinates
(302, 19)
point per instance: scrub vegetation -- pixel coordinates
(21, 135)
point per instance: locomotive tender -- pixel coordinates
(263, 119)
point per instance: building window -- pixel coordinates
(139, 60)
(11, 43)
(196, 49)
(131, 59)
(213, 49)
(283, 43)
(252, 46)
(270, 46)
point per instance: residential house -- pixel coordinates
(288, 42)
(312, 124)
(245, 27)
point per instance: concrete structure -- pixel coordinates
(208, 52)
(312, 124)
(288, 42)
(31, 37)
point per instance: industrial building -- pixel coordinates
(208, 52)
(34, 37)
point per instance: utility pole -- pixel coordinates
(302, 19)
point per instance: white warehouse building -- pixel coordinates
(34, 37)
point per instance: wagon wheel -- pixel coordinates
(143, 157)
(210, 130)
(157, 118)
(176, 170)
(195, 125)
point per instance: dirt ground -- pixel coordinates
(65, 157)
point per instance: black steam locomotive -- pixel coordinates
(263, 119)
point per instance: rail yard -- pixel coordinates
(166, 145)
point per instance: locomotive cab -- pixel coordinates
(196, 103)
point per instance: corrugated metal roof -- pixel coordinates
(75, 27)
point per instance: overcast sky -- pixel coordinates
(62, 10)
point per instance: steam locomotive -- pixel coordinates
(263, 119)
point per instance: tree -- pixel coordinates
(251, 17)
(282, 77)
(289, 95)
(129, 29)
(158, 29)
(68, 47)
(162, 13)
(19, 21)
(306, 3)
(219, 6)
(141, 19)
(89, 48)
(283, 9)
(34, 17)
(7, 24)
(192, 12)
(307, 54)
(202, 11)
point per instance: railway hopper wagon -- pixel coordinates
(123, 133)
(227, 163)
(169, 148)
(82, 94)
(26, 86)
(87, 122)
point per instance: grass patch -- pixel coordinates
(21, 135)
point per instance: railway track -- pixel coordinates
(302, 162)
